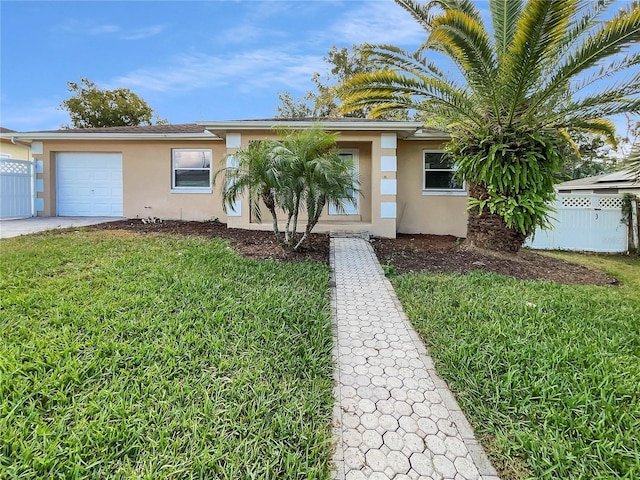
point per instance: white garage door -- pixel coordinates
(89, 184)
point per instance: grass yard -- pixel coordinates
(159, 357)
(548, 374)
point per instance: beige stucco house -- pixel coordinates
(167, 171)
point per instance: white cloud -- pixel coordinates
(86, 27)
(40, 114)
(244, 71)
(145, 32)
(96, 29)
(376, 22)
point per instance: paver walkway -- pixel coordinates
(395, 419)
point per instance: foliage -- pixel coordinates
(543, 66)
(90, 107)
(547, 374)
(518, 170)
(343, 64)
(298, 175)
(126, 356)
(630, 204)
(632, 162)
(591, 155)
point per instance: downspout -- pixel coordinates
(16, 142)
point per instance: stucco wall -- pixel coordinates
(363, 143)
(146, 170)
(438, 214)
(16, 152)
(147, 184)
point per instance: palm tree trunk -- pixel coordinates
(269, 200)
(488, 230)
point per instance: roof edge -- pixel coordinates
(35, 136)
(411, 130)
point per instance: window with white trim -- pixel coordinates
(439, 173)
(191, 169)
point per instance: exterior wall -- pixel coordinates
(146, 171)
(441, 214)
(369, 149)
(390, 170)
(15, 152)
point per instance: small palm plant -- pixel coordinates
(509, 95)
(297, 175)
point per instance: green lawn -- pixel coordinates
(548, 374)
(130, 356)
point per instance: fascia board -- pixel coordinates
(111, 136)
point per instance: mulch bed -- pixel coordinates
(255, 244)
(407, 253)
(447, 254)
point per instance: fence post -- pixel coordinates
(635, 224)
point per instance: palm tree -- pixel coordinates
(255, 173)
(316, 176)
(510, 97)
(302, 172)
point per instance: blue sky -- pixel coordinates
(216, 60)
(213, 60)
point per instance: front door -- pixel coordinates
(349, 208)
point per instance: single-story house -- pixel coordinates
(619, 182)
(167, 171)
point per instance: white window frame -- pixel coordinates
(439, 191)
(178, 189)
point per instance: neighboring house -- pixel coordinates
(9, 149)
(611, 183)
(167, 171)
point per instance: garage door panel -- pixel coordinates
(89, 184)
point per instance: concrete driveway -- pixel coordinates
(25, 226)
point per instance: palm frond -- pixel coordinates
(610, 39)
(539, 29)
(386, 87)
(505, 15)
(395, 58)
(599, 126)
(470, 40)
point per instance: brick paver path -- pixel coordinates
(395, 419)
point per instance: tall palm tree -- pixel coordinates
(509, 96)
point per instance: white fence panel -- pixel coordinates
(16, 188)
(586, 222)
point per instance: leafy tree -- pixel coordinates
(633, 162)
(515, 93)
(590, 155)
(298, 175)
(343, 63)
(90, 107)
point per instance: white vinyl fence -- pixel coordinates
(16, 188)
(586, 222)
